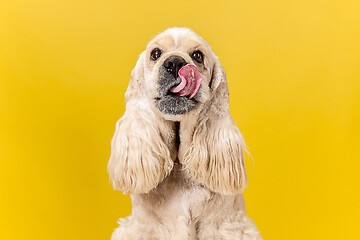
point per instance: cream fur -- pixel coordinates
(139, 158)
(215, 156)
(185, 173)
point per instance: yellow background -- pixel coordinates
(293, 69)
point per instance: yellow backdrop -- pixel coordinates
(293, 69)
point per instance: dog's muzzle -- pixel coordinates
(171, 102)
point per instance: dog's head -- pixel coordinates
(158, 70)
(177, 78)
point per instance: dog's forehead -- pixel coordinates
(177, 39)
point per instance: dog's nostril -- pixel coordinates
(170, 67)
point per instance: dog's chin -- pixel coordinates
(175, 108)
(175, 105)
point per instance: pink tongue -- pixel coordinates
(190, 81)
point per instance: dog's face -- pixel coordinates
(164, 56)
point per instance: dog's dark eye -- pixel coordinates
(198, 56)
(155, 54)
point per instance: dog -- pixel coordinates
(176, 149)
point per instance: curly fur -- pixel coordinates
(215, 156)
(185, 172)
(139, 158)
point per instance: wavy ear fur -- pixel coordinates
(215, 157)
(139, 158)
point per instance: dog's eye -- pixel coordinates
(198, 56)
(155, 54)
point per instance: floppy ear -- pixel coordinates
(139, 158)
(215, 156)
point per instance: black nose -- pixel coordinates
(173, 65)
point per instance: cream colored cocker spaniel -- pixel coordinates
(176, 150)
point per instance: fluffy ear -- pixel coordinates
(139, 158)
(215, 157)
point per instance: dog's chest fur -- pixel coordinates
(178, 198)
(176, 193)
(179, 202)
